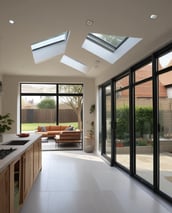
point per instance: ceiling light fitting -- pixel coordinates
(11, 21)
(89, 22)
(153, 16)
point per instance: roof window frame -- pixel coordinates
(50, 41)
(104, 44)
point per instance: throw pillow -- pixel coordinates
(43, 129)
(69, 128)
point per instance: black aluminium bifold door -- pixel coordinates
(136, 129)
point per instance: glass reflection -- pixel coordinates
(108, 121)
(165, 134)
(144, 131)
(122, 128)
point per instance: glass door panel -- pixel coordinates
(70, 111)
(107, 122)
(165, 133)
(37, 111)
(122, 128)
(144, 131)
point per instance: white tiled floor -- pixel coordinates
(77, 182)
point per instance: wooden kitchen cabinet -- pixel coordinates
(15, 186)
(32, 163)
(17, 178)
(5, 191)
(39, 155)
(27, 170)
(37, 158)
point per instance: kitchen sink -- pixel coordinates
(17, 142)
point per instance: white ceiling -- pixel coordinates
(37, 20)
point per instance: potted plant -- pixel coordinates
(89, 138)
(5, 124)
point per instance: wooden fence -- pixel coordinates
(48, 116)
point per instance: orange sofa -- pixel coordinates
(69, 137)
(52, 131)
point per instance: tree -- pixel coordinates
(47, 103)
(74, 100)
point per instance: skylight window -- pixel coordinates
(109, 42)
(49, 48)
(60, 38)
(109, 47)
(74, 64)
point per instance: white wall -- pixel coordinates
(10, 96)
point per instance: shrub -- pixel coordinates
(143, 118)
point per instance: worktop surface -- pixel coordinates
(19, 149)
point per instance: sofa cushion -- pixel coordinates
(54, 128)
(63, 127)
(53, 132)
(50, 131)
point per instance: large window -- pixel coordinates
(51, 104)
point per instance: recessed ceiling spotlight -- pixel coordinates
(89, 22)
(153, 16)
(11, 21)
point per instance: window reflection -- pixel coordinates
(144, 131)
(108, 121)
(165, 61)
(122, 134)
(165, 134)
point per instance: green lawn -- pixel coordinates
(33, 126)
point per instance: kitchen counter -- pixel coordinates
(20, 149)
